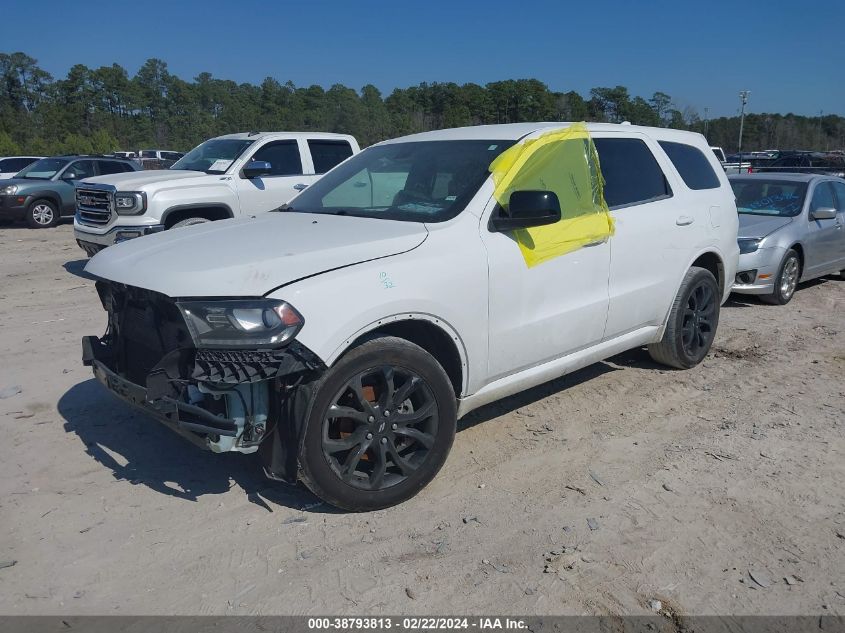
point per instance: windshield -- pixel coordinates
(214, 156)
(426, 181)
(769, 197)
(43, 169)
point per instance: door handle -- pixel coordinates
(684, 220)
(299, 186)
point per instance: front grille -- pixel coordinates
(93, 206)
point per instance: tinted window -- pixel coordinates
(692, 165)
(823, 197)
(840, 196)
(15, 164)
(769, 197)
(327, 154)
(112, 167)
(171, 155)
(283, 156)
(148, 153)
(630, 171)
(79, 169)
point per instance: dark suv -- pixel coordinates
(43, 193)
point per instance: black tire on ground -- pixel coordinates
(787, 280)
(692, 322)
(397, 429)
(42, 214)
(189, 222)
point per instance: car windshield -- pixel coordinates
(425, 181)
(43, 169)
(214, 156)
(769, 197)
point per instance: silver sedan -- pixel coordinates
(791, 229)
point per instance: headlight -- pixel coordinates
(130, 203)
(748, 245)
(9, 190)
(253, 323)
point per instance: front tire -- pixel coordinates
(379, 427)
(42, 214)
(692, 322)
(190, 222)
(787, 280)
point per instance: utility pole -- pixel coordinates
(819, 138)
(743, 97)
(706, 120)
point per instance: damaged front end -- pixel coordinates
(222, 373)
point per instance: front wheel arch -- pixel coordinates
(435, 335)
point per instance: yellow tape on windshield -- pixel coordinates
(564, 161)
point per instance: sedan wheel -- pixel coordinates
(380, 425)
(786, 281)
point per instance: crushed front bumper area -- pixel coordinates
(218, 399)
(186, 419)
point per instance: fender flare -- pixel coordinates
(198, 205)
(436, 321)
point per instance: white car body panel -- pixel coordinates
(513, 326)
(249, 257)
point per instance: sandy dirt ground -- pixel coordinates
(719, 490)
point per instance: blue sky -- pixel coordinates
(791, 55)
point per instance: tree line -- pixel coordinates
(100, 110)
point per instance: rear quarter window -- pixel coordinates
(692, 165)
(631, 173)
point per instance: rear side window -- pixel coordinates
(692, 165)
(174, 156)
(631, 173)
(15, 164)
(283, 157)
(112, 167)
(327, 154)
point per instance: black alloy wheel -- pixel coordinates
(379, 426)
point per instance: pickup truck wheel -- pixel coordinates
(189, 222)
(379, 427)
(692, 322)
(42, 214)
(787, 280)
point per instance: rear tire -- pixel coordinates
(787, 280)
(42, 214)
(692, 322)
(398, 424)
(189, 222)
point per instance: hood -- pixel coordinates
(132, 181)
(760, 225)
(250, 257)
(24, 182)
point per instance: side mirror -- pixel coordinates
(69, 175)
(823, 213)
(527, 209)
(257, 168)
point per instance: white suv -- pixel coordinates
(342, 337)
(224, 177)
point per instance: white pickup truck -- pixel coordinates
(224, 177)
(731, 168)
